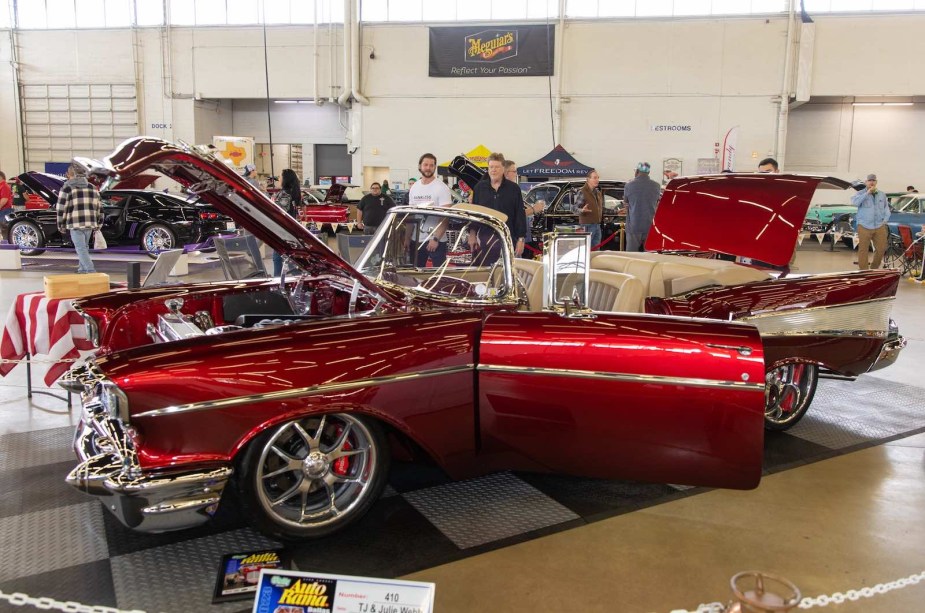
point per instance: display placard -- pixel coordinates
(302, 592)
(238, 573)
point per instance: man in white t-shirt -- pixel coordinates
(430, 190)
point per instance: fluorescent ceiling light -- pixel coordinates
(881, 104)
(897, 104)
(294, 101)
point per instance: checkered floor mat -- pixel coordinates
(59, 543)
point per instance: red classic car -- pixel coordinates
(301, 390)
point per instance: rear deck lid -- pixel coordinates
(751, 215)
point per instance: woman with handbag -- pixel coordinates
(289, 198)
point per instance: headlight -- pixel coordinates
(114, 401)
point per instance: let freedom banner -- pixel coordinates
(496, 51)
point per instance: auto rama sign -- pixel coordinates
(516, 51)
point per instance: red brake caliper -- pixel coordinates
(788, 404)
(342, 465)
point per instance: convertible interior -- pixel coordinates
(621, 281)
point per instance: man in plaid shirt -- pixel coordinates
(80, 213)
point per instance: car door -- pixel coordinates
(562, 211)
(114, 212)
(657, 399)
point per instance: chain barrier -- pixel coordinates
(19, 599)
(864, 592)
(36, 360)
(825, 600)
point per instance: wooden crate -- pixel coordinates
(76, 286)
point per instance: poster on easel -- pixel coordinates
(238, 151)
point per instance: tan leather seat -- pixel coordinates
(665, 275)
(614, 292)
(530, 273)
(647, 271)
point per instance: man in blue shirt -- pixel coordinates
(873, 213)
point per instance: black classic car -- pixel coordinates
(558, 200)
(151, 221)
(557, 203)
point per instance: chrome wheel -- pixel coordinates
(157, 238)
(27, 236)
(789, 390)
(314, 475)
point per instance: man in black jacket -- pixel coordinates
(496, 192)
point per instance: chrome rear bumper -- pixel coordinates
(170, 500)
(888, 353)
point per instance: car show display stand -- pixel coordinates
(10, 259)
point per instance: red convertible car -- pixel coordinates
(300, 391)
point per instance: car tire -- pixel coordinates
(28, 236)
(156, 238)
(789, 390)
(312, 476)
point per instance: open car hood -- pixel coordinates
(45, 185)
(218, 185)
(756, 216)
(335, 193)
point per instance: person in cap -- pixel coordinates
(873, 213)
(641, 197)
(250, 173)
(79, 213)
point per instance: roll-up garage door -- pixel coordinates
(64, 121)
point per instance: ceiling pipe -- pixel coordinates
(318, 100)
(558, 65)
(355, 55)
(348, 15)
(783, 114)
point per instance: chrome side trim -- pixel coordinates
(623, 377)
(867, 318)
(312, 390)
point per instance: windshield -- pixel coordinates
(545, 193)
(441, 255)
(908, 204)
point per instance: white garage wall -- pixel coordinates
(851, 141)
(869, 56)
(620, 78)
(11, 161)
(212, 118)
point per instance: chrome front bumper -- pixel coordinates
(160, 502)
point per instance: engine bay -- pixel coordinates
(258, 307)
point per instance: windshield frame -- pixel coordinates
(511, 294)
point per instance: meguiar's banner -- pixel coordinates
(492, 51)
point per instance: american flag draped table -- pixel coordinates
(39, 326)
